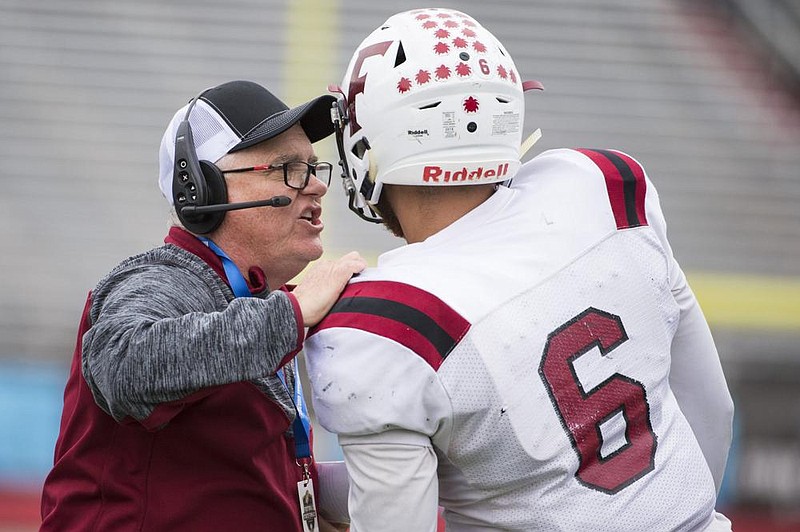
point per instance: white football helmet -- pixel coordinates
(429, 98)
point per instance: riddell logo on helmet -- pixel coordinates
(436, 174)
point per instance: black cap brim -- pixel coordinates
(314, 116)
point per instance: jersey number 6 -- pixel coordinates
(583, 413)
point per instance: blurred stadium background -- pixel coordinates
(706, 93)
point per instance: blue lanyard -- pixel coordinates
(301, 425)
(235, 277)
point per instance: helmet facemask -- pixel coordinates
(350, 174)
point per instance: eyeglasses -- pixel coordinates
(296, 174)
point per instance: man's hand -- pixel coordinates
(322, 284)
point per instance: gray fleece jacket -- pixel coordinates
(165, 325)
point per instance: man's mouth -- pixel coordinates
(312, 215)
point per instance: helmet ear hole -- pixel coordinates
(360, 147)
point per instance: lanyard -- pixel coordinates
(301, 425)
(235, 277)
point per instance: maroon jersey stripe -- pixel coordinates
(625, 184)
(388, 328)
(408, 315)
(447, 318)
(641, 186)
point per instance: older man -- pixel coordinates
(182, 410)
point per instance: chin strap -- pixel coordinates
(536, 135)
(367, 213)
(532, 139)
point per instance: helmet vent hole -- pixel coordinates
(472, 127)
(502, 100)
(464, 56)
(429, 106)
(401, 56)
(360, 147)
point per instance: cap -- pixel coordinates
(237, 115)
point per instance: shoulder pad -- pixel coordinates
(408, 315)
(625, 184)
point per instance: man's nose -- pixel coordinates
(315, 187)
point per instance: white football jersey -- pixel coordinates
(530, 343)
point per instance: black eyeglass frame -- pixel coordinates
(311, 168)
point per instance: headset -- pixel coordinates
(199, 192)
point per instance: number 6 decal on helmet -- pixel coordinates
(582, 413)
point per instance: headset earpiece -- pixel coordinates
(195, 183)
(217, 194)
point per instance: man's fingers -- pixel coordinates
(355, 261)
(322, 284)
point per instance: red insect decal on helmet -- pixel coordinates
(471, 105)
(479, 46)
(458, 42)
(501, 71)
(429, 24)
(423, 76)
(463, 69)
(442, 33)
(443, 72)
(404, 85)
(468, 32)
(451, 23)
(441, 48)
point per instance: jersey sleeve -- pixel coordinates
(373, 360)
(393, 485)
(373, 365)
(628, 192)
(698, 382)
(696, 376)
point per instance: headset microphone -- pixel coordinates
(275, 201)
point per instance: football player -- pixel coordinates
(533, 358)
